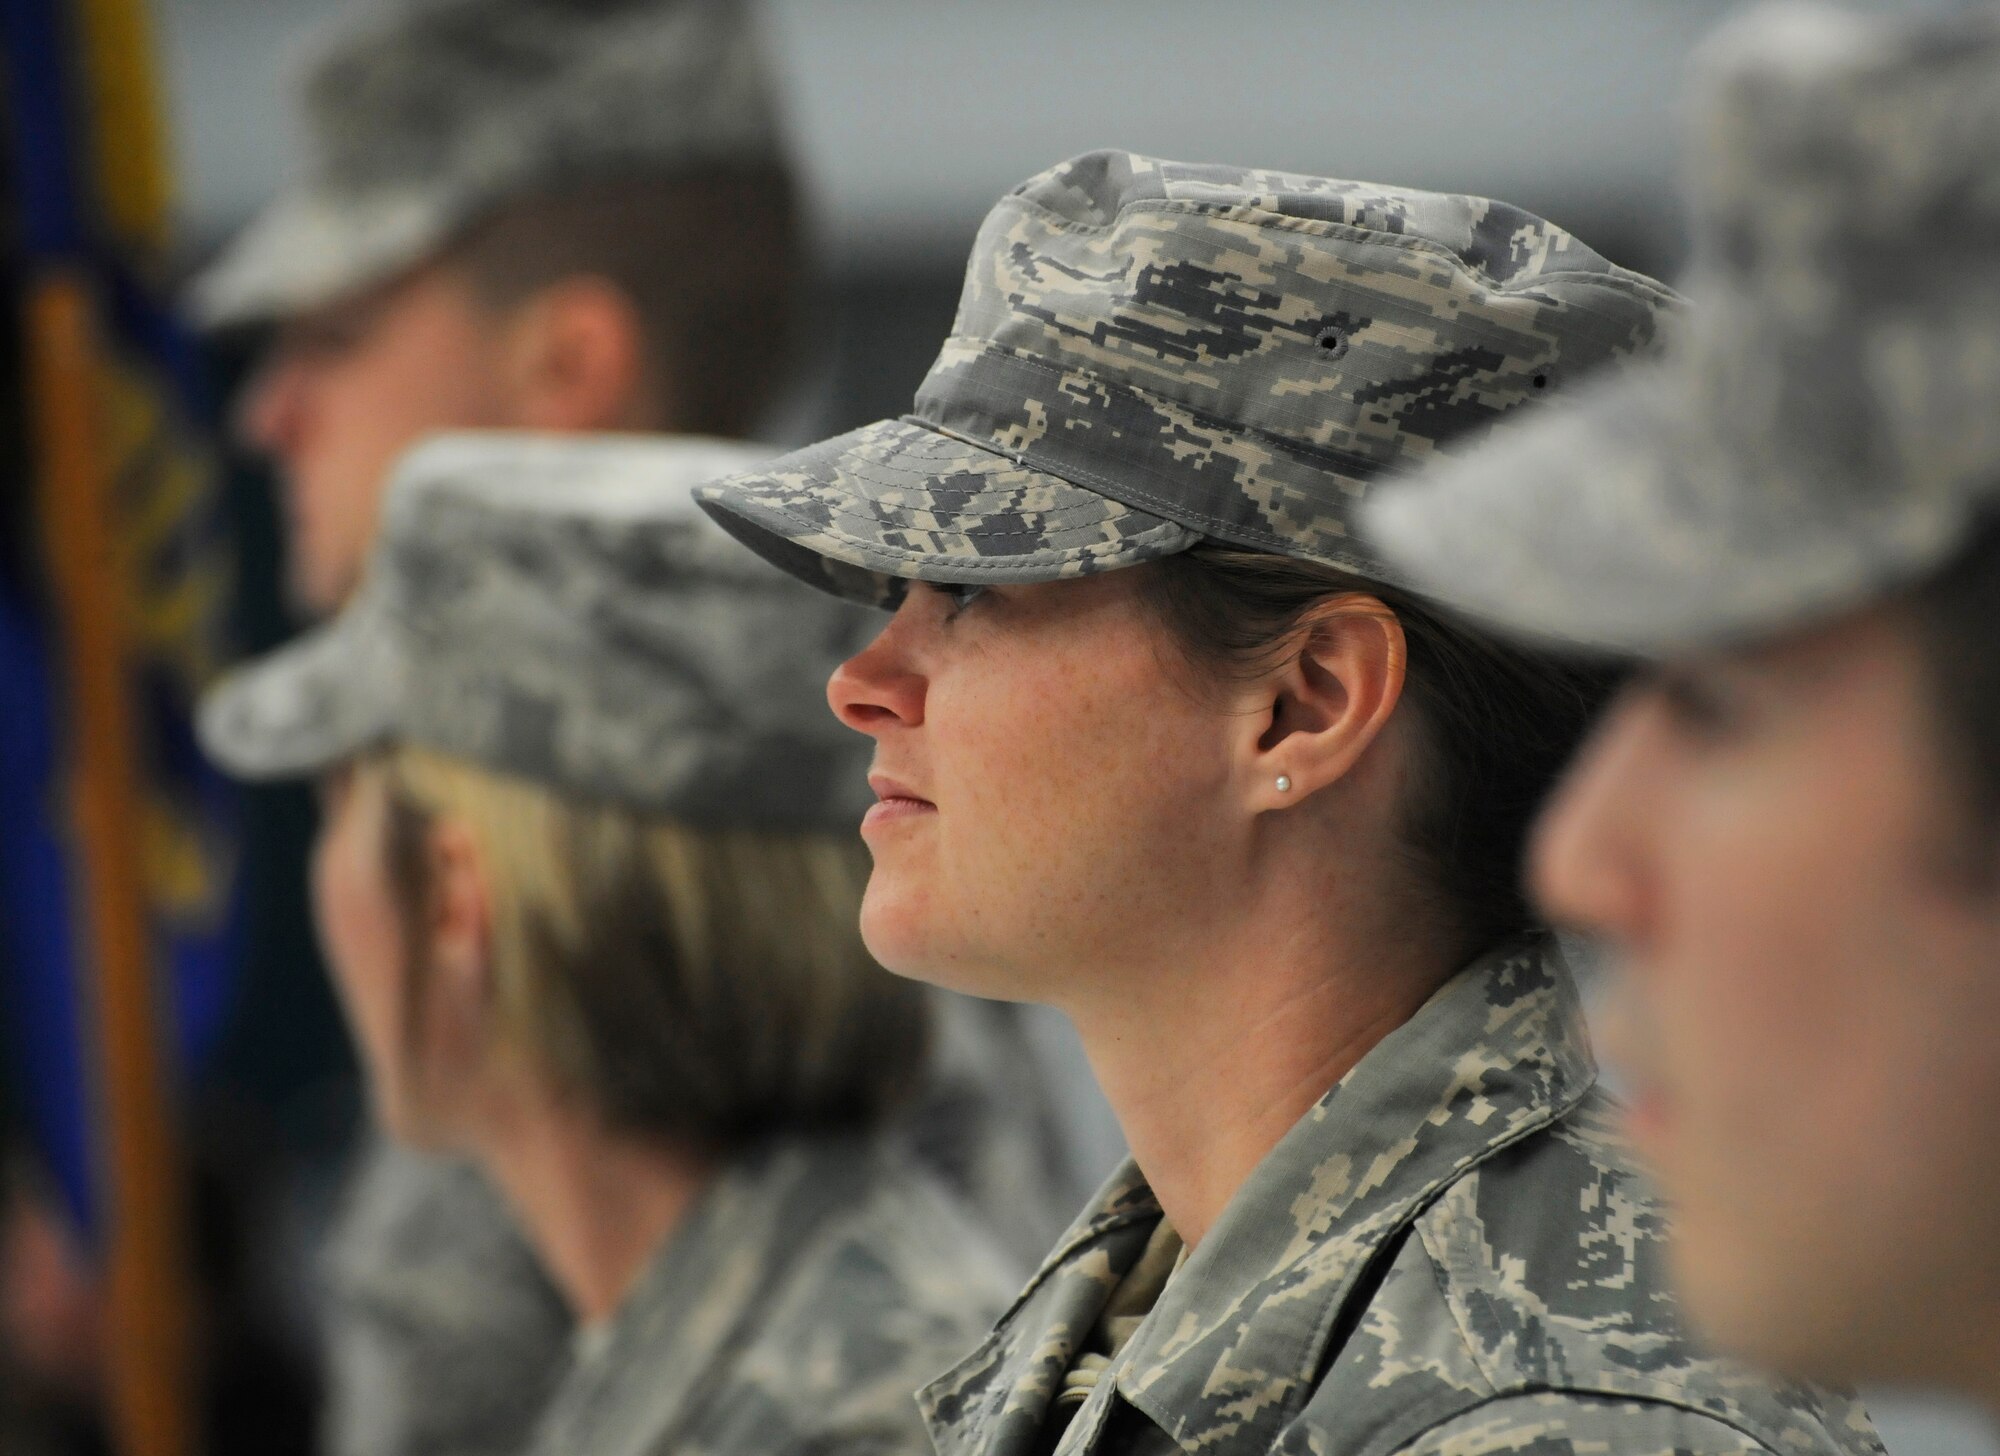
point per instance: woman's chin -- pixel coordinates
(894, 923)
(907, 943)
(895, 942)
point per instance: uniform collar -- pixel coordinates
(1236, 1343)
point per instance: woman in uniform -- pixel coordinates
(1158, 742)
(580, 890)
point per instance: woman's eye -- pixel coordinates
(1698, 702)
(322, 339)
(959, 594)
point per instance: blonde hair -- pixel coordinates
(697, 983)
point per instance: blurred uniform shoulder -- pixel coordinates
(444, 1336)
(815, 1288)
(1529, 1308)
(894, 1286)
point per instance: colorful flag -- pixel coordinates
(87, 188)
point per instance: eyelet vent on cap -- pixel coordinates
(1332, 342)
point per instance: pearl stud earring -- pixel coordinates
(1284, 784)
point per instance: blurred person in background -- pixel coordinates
(1788, 830)
(558, 216)
(587, 887)
(514, 213)
(51, 1320)
(1158, 741)
(253, 1392)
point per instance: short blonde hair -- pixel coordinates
(701, 984)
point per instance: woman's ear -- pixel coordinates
(1326, 706)
(575, 359)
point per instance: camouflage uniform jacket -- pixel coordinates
(445, 1338)
(806, 1297)
(1449, 1255)
(443, 1335)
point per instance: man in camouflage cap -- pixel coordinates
(511, 213)
(1374, 1205)
(564, 216)
(553, 644)
(1788, 832)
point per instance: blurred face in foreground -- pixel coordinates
(1771, 844)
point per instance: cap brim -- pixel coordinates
(323, 698)
(309, 248)
(900, 501)
(1627, 521)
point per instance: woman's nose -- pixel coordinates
(1588, 852)
(879, 687)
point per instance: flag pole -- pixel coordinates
(149, 1349)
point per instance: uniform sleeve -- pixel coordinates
(1553, 1423)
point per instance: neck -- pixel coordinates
(1209, 1060)
(596, 1204)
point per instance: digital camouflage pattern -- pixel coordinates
(808, 1294)
(990, 1120)
(1150, 352)
(1450, 1254)
(421, 115)
(1830, 429)
(556, 608)
(443, 1335)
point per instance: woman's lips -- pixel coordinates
(895, 802)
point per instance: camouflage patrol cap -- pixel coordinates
(1147, 353)
(556, 608)
(1829, 428)
(426, 114)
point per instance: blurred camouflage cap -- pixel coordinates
(1147, 353)
(557, 609)
(426, 114)
(1829, 428)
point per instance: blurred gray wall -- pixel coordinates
(912, 117)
